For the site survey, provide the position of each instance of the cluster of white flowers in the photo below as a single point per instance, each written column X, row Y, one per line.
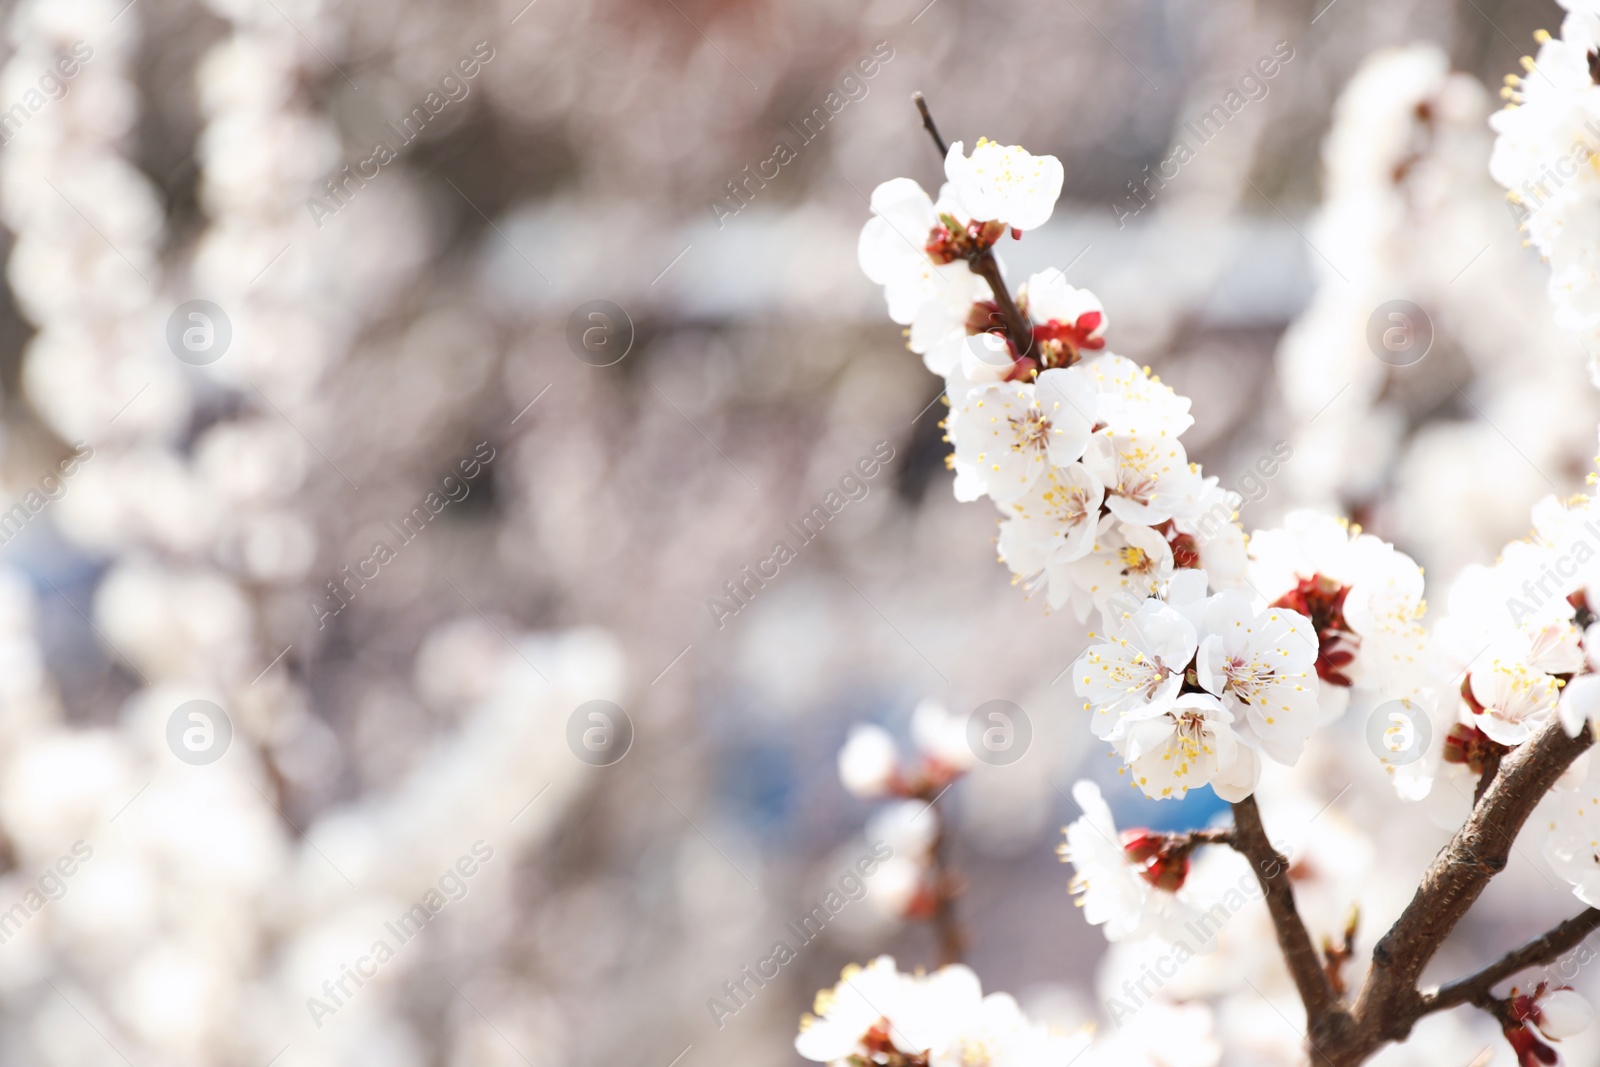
column 877, row 1014
column 1080, row 451
column 1191, row 690
column 1194, row 689
column 1220, row 656
column 1548, row 136
column 1213, row 658
column 1077, row 446
column 1410, row 213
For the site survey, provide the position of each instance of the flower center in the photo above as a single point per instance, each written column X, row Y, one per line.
column 1135, row 560
column 1030, row 432
column 1247, row 677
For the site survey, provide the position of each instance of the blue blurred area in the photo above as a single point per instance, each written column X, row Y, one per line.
column 1131, row 807
column 63, row 581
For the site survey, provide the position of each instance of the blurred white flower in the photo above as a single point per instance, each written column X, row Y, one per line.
column 869, row 762
column 941, row 737
column 943, row 1018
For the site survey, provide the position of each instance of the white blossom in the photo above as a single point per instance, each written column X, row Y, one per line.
column 1009, row 432
column 1109, row 887
column 1052, row 525
column 943, row 1016
column 1004, row 183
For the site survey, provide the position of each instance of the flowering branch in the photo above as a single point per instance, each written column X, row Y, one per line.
column 1475, row 988
column 1197, row 682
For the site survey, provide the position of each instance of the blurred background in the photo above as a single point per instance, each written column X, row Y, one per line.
column 289, row 280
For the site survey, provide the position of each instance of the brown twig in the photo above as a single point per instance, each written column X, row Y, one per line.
column 1193, row 839
column 1017, row 326
column 1326, row 1018
column 928, row 124
column 1390, row 1004
column 1478, row 986
column 1491, row 767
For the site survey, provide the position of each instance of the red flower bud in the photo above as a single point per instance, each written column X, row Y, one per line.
column 1142, row 845
column 1160, row 859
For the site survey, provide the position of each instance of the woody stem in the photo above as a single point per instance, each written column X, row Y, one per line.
column 928, row 124
column 1016, row 323
column 1476, row 987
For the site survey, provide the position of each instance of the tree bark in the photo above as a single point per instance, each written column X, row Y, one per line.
column 1390, row 1002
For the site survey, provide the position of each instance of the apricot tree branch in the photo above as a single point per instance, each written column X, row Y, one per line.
column 1305, row 965
column 1390, row 1003
column 1543, row 949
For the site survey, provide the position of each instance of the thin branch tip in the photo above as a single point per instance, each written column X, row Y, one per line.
column 928, row 123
